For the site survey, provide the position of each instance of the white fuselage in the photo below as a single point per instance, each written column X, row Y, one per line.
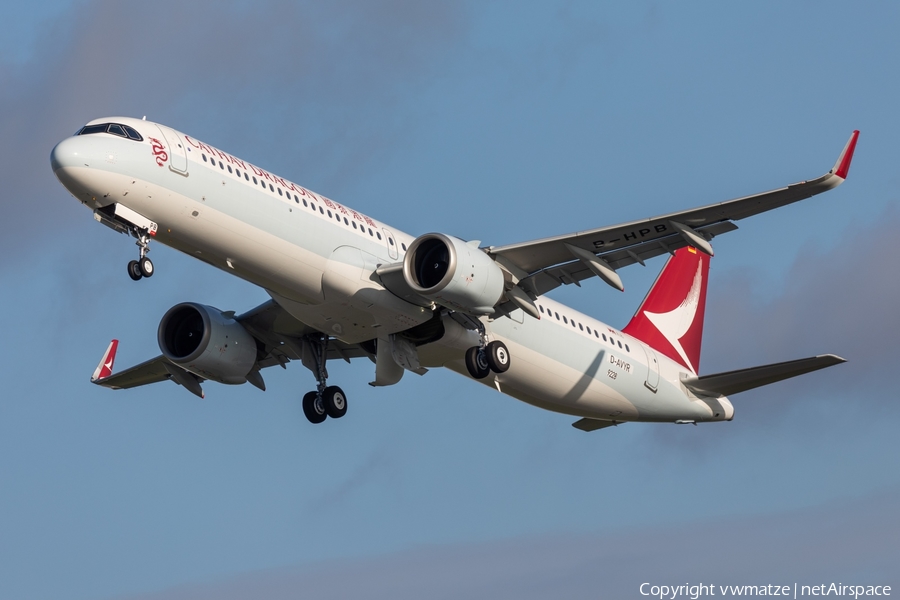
column 317, row 259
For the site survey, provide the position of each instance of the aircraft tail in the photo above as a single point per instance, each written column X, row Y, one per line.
column 670, row 319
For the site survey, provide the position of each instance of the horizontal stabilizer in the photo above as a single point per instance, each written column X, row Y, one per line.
column 732, row 382
column 593, row 424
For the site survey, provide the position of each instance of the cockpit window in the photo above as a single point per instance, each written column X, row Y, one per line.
column 88, row 129
column 133, row 134
column 114, row 128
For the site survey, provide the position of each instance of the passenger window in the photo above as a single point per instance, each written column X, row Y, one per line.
column 279, row 192
column 271, row 188
column 627, row 349
column 565, row 320
column 247, row 177
column 604, row 337
column 254, row 181
column 542, row 308
column 229, row 169
column 370, row 231
column 322, row 211
column 589, row 330
column 620, row 343
column 378, row 234
column 581, row 327
column 595, row 334
column 204, row 157
column 221, row 165
column 557, row 316
column 346, row 222
column 304, row 202
column 391, row 241
column 329, row 214
column 402, row 245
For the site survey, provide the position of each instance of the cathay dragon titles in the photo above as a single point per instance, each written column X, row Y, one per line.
column 344, row 285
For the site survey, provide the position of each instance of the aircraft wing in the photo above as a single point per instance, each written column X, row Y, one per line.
column 279, row 333
column 733, row 382
column 544, row 264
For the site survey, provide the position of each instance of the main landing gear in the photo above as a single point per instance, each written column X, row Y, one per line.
column 142, row 267
column 327, row 400
column 481, row 360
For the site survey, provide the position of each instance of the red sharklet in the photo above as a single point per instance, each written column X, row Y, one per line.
column 670, row 319
column 105, row 368
column 842, row 167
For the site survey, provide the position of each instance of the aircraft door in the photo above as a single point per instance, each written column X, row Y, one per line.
column 652, row 381
column 177, row 154
column 391, row 243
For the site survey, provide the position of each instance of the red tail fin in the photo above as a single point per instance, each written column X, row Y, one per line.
column 670, row 319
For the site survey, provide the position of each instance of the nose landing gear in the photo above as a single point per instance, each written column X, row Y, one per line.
column 142, row 267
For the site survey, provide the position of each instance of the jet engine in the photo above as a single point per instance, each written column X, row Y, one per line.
column 206, row 342
column 453, row 273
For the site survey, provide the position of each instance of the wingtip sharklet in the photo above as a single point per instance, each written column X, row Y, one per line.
column 104, row 369
column 842, row 166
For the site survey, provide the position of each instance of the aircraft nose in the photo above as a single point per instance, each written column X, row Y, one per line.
column 67, row 153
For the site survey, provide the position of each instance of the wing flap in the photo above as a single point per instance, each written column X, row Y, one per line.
column 576, row 271
column 733, row 382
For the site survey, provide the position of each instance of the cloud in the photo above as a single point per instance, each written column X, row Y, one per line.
column 325, row 86
column 840, row 300
column 853, row 542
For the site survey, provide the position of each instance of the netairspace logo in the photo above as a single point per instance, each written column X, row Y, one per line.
column 695, row 591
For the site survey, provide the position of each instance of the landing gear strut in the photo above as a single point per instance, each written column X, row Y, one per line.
column 487, row 357
column 141, row 267
column 327, row 400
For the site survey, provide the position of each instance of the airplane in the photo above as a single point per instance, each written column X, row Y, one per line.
column 343, row 285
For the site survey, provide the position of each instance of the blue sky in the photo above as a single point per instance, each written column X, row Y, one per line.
column 493, row 121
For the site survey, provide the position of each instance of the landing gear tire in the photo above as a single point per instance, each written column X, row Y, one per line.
column 476, row 362
column 497, row 357
column 314, row 408
column 335, row 402
column 146, row 267
column 134, row 270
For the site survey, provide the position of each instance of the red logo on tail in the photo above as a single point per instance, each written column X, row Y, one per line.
column 670, row 320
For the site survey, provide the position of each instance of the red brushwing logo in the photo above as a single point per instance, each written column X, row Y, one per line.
column 104, row 369
column 670, row 320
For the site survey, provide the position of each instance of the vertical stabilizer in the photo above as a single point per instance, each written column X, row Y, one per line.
column 670, row 319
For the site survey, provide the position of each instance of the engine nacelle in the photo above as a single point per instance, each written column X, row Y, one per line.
column 202, row 340
column 453, row 273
